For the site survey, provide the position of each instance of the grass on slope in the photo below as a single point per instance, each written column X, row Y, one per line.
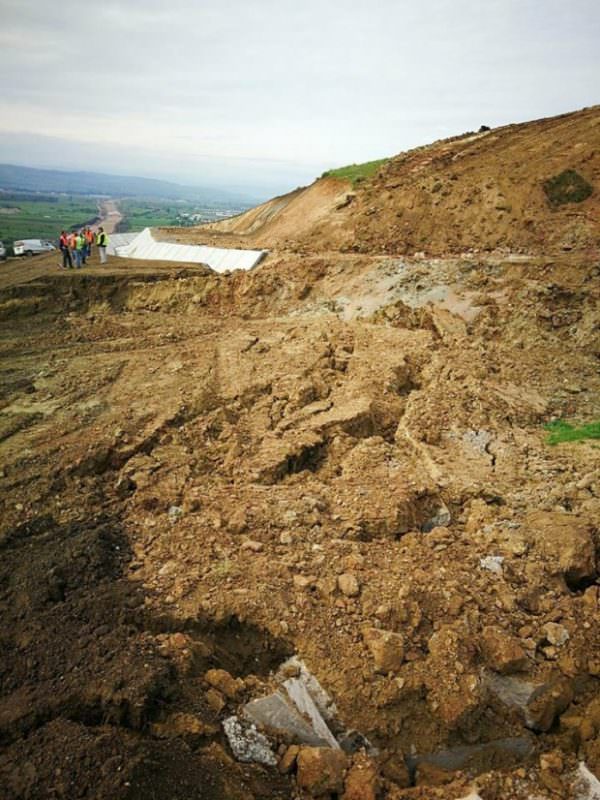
column 355, row 173
column 561, row 431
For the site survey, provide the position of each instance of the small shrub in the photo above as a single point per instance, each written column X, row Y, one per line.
column 568, row 187
column 562, row 431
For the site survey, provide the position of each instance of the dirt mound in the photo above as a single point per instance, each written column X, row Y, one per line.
column 204, row 474
column 86, row 673
column 489, row 191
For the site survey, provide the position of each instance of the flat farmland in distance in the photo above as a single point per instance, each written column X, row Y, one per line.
column 140, row 213
column 43, row 218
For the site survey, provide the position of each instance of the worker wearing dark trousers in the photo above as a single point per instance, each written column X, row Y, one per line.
column 66, row 253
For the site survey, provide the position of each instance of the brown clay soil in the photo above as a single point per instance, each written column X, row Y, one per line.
column 206, row 471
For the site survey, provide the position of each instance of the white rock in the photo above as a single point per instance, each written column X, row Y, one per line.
column 492, row 563
column 175, row 512
column 247, row 744
column 556, row 634
column 586, row 786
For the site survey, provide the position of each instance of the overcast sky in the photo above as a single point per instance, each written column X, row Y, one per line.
column 266, row 94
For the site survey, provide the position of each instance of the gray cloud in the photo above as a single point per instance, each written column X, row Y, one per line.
column 190, row 86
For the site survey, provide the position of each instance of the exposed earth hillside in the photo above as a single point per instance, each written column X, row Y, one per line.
column 481, row 191
column 218, row 490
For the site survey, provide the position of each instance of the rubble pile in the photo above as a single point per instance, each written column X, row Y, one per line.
column 299, row 532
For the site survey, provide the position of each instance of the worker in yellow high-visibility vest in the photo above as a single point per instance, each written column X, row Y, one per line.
column 102, row 241
column 79, row 250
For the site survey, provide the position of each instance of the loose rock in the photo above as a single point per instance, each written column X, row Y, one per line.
column 221, row 679
column 321, row 770
column 387, row 649
column 502, row 652
column 556, row 634
column 362, row 780
column 248, row 744
column 349, row 585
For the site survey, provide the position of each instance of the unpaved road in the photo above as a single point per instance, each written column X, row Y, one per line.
column 110, row 216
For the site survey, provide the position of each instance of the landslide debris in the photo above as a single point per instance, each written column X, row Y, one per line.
column 331, row 472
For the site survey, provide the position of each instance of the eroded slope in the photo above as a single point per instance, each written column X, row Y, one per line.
column 483, row 191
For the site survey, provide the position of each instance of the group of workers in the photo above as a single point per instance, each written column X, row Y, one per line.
column 77, row 246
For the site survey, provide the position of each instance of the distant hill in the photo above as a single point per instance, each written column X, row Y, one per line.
column 17, row 178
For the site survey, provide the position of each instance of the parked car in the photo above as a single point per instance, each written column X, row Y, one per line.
column 3, row 253
column 32, row 247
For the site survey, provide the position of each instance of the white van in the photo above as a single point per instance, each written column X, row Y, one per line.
column 31, row 247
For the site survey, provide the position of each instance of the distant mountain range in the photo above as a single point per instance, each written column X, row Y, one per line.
column 27, row 179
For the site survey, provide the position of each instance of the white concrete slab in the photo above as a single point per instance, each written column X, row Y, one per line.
column 116, row 240
column 220, row 259
column 300, row 696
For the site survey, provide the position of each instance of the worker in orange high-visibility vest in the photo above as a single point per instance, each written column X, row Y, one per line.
column 89, row 241
column 64, row 249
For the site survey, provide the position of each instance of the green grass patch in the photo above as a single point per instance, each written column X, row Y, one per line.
column 43, row 219
column 356, row 173
column 561, row 431
column 567, row 187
